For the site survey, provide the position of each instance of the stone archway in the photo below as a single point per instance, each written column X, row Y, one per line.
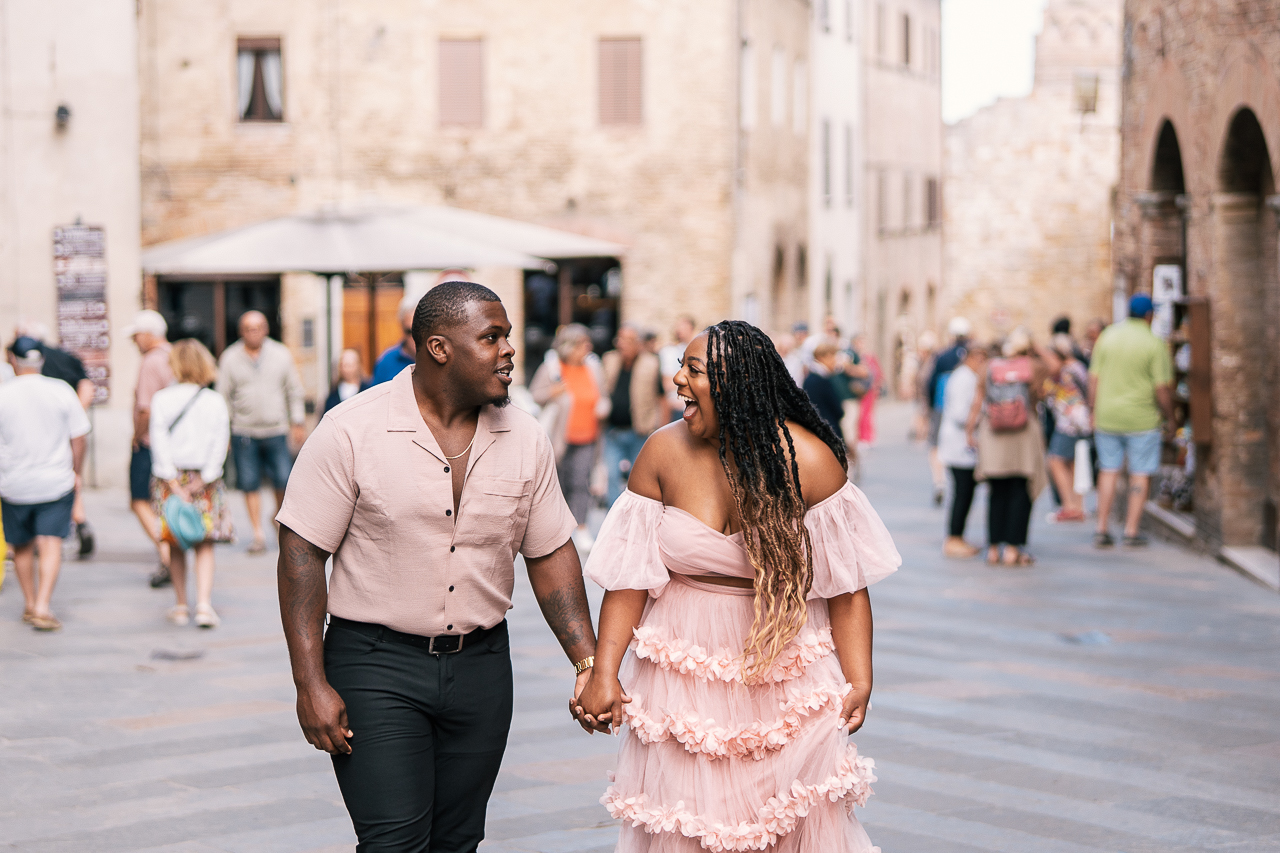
column 1245, row 299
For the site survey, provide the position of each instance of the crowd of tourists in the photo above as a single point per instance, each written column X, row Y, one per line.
column 1068, row 414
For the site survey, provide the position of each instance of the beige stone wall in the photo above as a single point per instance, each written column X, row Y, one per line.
column 82, row 55
column 1029, row 183
column 902, row 118
column 361, row 121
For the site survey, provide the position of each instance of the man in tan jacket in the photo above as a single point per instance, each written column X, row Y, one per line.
column 633, row 383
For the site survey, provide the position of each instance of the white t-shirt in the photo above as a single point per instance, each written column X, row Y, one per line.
column 38, row 418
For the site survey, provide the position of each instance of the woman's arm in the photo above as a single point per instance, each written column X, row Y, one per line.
column 851, row 630
column 600, row 705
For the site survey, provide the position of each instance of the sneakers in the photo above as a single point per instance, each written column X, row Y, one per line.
column 1138, row 540
column 84, row 532
column 160, row 577
column 1103, row 540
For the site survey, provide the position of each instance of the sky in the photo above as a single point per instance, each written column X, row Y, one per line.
column 988, row 51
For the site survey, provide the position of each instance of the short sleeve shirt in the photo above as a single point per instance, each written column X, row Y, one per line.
column 1130, row 363
column 153, row 375
column 372, row 487
column 39, row 416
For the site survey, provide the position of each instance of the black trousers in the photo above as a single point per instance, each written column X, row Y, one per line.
column 429, row 733
column 1009, row 513
column 961, row 499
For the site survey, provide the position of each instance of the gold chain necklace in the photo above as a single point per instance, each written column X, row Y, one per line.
column 465, row 452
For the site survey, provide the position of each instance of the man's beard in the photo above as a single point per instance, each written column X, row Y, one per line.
column 500, row 402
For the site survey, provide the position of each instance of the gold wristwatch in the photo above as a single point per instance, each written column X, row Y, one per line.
column 584, row 665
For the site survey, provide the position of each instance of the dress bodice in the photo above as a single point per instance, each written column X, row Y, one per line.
column 689, row 547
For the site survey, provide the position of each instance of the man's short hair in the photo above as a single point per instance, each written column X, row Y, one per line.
column 445, row 305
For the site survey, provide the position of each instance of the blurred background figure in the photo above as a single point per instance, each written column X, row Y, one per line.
column 148, row 331
column 796, row 358
column 820, row 384
column 190, row 431
column 60, row 364
column 669, row 362
column 956, row 451
column 867, row 404
column 260, row 382
column 1091, row 334
column 1003, row 426
column 637, row 405
column 42, row 441
column 1066, row 392
column 351, row 380
column 918, row 391
column 397, row 357
column 943, row 363
column 569, row 385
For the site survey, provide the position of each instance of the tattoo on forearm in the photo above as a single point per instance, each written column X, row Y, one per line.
column 567, row 612
column 303, row 594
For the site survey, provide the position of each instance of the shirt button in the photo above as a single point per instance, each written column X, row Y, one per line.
column 449, row 628
column 452, row 548
column 446, row 469
column 450, row 589
column 448, row 512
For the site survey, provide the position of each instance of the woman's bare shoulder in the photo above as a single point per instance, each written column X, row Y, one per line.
column 821, row 475
column 663, row 450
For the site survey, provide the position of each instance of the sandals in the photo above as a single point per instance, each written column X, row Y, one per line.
column 45, row 623
column 259, row 546
column 27, row 616
column 1022, row 561
column 179, row 615
column 205, row 617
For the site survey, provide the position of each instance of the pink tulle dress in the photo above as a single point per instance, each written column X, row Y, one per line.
column 706, row 761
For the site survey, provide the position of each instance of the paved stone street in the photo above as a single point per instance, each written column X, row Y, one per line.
column 1098, row 702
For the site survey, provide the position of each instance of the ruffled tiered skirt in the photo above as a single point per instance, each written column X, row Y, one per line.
column 710, row 763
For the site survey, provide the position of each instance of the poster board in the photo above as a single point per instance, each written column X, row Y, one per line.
column 80, row 274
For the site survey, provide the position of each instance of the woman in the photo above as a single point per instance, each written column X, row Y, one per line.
column 190, row 433
column 867, row 405
column 1066, row 392
column 350, row 382
column 1003, row 426
column 735, row 564
column 568, row 386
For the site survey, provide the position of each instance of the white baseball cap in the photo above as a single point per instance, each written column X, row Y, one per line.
column 148, row 321
column 959, row 327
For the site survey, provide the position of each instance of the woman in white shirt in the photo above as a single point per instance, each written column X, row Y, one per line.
column 190, row 433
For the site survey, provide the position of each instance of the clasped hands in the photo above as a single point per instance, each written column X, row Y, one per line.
column 597, row 702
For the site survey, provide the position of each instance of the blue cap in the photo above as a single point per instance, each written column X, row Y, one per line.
column 23, row 346
column 1140, row 305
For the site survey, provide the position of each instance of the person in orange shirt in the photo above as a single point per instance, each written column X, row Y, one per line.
column 568, row 386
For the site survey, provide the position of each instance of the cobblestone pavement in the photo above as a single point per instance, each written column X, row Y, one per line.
column 1097, row 702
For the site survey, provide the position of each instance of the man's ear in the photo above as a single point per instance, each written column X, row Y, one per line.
column 439, row 348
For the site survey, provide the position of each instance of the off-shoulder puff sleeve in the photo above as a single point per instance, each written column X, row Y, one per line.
column 625, row 554
column 852, row 548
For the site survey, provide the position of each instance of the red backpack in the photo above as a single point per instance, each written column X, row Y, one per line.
column 1008, row 396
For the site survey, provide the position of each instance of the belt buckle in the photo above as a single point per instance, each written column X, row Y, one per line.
column 431, row 644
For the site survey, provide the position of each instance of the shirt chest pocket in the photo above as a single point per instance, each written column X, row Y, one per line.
column 497, row 512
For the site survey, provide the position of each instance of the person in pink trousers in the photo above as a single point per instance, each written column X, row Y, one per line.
column 867, row 405
column 734, row 649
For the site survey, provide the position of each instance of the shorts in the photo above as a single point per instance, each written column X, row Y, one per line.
column 1064, row 446
column 140, row 475
column 257, row 456
column 935, row 424
column 1142, row 449
column 24, row 522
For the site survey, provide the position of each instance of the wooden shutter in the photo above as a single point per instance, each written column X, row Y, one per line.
column 1199, row 378
column 462, row 82
column 620, row 81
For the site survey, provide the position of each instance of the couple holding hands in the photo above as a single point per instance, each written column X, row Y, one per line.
column 734, row 646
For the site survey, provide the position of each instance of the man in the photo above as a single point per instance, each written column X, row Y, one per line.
column 669, row 358
column 260, row 382
column 947, row 361
column 423, row 490
column 398, row 356
column 148, row 331
column 67, row 366
column 820, row 387
column 633, row 383
column 42, row 430
column 1130, row 387
column 955, row 451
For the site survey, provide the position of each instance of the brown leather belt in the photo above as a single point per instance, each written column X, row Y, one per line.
column 445, row 644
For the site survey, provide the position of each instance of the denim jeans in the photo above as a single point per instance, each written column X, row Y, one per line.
column 620, row 444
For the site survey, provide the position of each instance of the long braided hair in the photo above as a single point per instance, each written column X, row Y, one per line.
column 754, row 397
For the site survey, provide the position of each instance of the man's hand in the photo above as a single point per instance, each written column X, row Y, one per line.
column 600, row 705
column 854, row 710
column 323, row 716
column 575, row 710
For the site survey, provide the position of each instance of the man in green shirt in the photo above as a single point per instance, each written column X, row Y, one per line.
column 1130, row 391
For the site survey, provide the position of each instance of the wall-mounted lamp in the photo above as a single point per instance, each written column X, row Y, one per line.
column 62, row 117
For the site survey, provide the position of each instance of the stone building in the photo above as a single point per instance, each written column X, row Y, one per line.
column 69, row 197
column 1200, row 131
column 1029, row 184
column 657, row 126
column 902, row 163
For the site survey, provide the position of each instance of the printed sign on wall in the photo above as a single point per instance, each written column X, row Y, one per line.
column 80, row 272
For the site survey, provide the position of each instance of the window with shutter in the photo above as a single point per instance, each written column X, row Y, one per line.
column 621, row 76
column 259, row 80
column 461, row 82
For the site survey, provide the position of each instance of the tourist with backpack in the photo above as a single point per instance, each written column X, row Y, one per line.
column 1004, row 427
